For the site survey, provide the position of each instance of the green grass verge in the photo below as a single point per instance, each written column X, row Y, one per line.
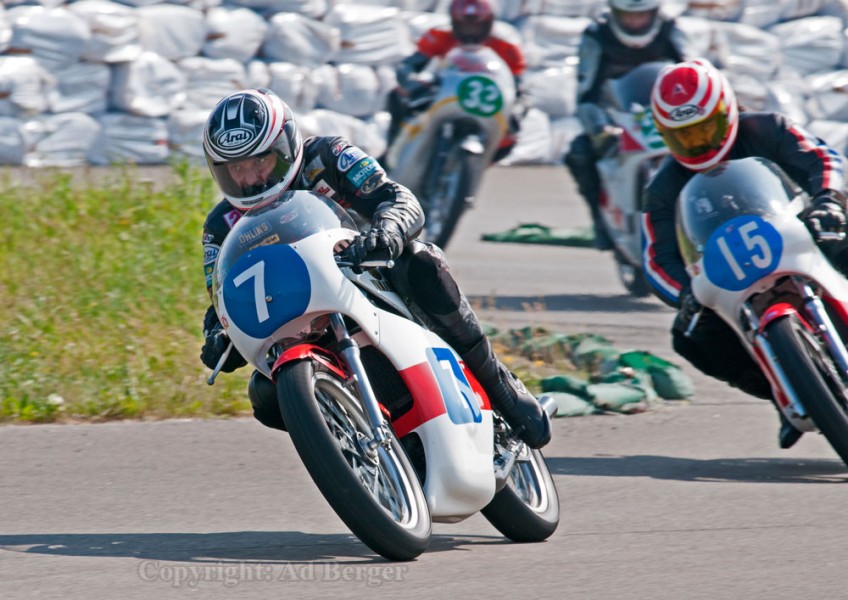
column 102, row 297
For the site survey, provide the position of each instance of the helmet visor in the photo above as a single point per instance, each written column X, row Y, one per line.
column 472, row 32
column 635, row 23
column 252, row 176
column 699, row 139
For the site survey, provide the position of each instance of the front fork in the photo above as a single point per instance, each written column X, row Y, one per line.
column 349, row 351
column 821, row 323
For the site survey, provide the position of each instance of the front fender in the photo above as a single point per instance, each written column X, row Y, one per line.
column 311, row 352
column 776, row 311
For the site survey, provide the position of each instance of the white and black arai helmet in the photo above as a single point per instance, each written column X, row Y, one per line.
column 251, row 127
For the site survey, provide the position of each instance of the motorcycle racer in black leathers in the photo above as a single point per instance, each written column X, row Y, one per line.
column 631, row 33
column 255, row 152
column 701, row 130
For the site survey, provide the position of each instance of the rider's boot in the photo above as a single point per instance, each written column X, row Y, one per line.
column 263, row 397
column 509, row 396
column 753, row 382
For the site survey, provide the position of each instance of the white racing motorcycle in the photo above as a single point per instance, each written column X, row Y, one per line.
column 394, row 430
column 626, row 168
column 753, row 262
column 442, row 151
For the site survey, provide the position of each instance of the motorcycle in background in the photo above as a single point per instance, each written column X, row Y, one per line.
column 393, row 429
column 627, row 166
column 754, row 263
column 443, row 150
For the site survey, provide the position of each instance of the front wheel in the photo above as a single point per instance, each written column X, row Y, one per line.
column 814, row 378
column 374, row 491
column 526, row 509
column 446, row 192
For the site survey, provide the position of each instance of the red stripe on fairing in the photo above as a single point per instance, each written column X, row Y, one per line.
column 827, row 171
column 427, row 401
column 628, row 142
column 653, row 267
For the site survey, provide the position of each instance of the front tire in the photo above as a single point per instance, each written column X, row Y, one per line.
column 445, row 195
column 375, row 492
column 814, row 378
column 526, row 509
column 631, row 277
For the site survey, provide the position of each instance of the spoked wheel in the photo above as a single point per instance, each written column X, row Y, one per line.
column 631, row 277
column 445, row 194
column 815, row 379
column 526, row 509
column 373, row 490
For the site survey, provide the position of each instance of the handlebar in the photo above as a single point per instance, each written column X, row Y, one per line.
column 366, row 264
column 830, row 236
column 220, row 365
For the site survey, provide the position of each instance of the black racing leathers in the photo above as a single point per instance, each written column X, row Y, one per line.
column 808, row 160
column 712, row 346
column 602, row 57
column 334, row 167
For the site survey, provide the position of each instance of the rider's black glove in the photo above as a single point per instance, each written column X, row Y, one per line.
column 687, row 310
column 216, row 344
column 419, row 92
column 827, row 214
column 386, row 241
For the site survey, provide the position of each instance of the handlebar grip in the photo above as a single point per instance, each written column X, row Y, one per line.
column 830, row 236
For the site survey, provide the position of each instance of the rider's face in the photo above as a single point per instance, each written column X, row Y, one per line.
column 697, row 137
column 252, row 171
column 635, row 21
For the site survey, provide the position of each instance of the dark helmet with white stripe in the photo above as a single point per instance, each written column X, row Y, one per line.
column 249, row 127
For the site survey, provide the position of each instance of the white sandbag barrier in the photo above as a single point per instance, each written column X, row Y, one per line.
column 235, row 33
column 56, row 37
column 185, row 134
column 81, row 87
column 62, row 140
column 295, row 84
column 126, row 138
column 207, row 80
column 114, row 31
column 142, row 74
column 24, row 86
column 150, row 86
column 12, row 141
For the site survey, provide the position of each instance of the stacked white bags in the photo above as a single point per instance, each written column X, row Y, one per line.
column 103, row 81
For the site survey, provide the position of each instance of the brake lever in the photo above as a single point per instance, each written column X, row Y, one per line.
column 830, row 236
column 220, row 365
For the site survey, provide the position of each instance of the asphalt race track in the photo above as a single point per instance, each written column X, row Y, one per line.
column 693, row 500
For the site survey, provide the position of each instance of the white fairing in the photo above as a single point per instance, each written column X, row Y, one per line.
column 456, row 431
column 474, row 83
column 800, row 255
column 464, row 482
column 624, row 170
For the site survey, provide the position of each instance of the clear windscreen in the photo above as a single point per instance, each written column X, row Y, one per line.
column 293, row 216
column 749, row 186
